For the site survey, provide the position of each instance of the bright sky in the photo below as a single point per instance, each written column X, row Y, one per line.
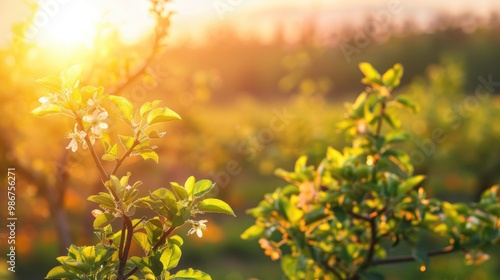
column 70, row 21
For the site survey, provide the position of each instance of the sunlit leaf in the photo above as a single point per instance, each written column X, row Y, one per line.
column 171, row 256
column 124, row 105
column 53, row 83
column 202, row 187
column 253, row 232
column 410, row 183
column 392, row 77
column 60, row 272
column 181, row 192
column 214, row 205
column 142, row 239
column 190, row 274
column 405, row 102
column 150, row 154
column 159, row 115
column 103, row 220
column 127, row 141
column 148, row 106
column 43, row 111
column 371, row 75
column 70, row 76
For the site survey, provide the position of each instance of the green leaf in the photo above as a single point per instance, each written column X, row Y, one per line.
column 60, row 272
column 392, row 120
column 142, row 239
column 125, row 106
column 410, row 183
column 396, row 136
column 148, row 106
column 111, row 153
column 104, row 199
column 252, row 232
column 189, row 185
column 371, row 75
column 70, row 76
column 335, row 156
column 214, row 205
column 52, row 82
column 127, row 141
column 190, row 274
column 88, row 254
column 180, row 191
column 171, row 256
column 143, row 268
column 50, row 109
column 300, row 164
column 405, row 102
column 202, row 187
column 103, row 220
column 150, row 154
column 392, row 77
column 162, row 115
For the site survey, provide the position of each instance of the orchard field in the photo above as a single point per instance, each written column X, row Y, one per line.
column 249, row 105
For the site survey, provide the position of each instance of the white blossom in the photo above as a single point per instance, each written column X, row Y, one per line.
column 76, row 137
column 96, row 122
column 198, row 227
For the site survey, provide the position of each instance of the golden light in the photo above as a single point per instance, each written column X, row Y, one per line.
column 75, row 23
column 70, row 24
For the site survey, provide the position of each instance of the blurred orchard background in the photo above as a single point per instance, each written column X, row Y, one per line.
column 258, row 83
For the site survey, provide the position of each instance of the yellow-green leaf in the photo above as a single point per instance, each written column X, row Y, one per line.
column 252, row 232
column 214, row 205
column 70, row 76
column 150, row 154
column 125, row 106
column 371, row 75
column 53, row 83
column 162, row 115
column 51, row 109
column 202, row 187
column 392, row 77
column 103, row 220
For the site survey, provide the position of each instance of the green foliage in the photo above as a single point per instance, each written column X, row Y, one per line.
column 170, row 208
column 339, row 219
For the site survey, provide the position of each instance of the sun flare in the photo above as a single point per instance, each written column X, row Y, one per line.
column 76, row 23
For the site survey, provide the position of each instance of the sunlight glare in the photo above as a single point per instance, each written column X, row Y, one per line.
column 75, row 24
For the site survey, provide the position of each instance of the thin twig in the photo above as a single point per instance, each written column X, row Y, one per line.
column 402, row 259
column 122, row 159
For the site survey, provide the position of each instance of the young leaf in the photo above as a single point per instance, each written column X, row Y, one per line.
column 103, row 220
column 53, row 83
column 127, row 141
column 190, row 274
column 189, row 185
column 180, row 191
column 253, row 232
column 149, row 154
column 214, row 205
column 202, row 187
column 392, row 77
column 60, row 272
column 170, row 257
column 405, row 102
column 43, row 111
column 162, row 115
column 410, row 183
column 371, row 75
column 70, row 76
column 148, row 106
column 124, row 105
column 104, row 199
